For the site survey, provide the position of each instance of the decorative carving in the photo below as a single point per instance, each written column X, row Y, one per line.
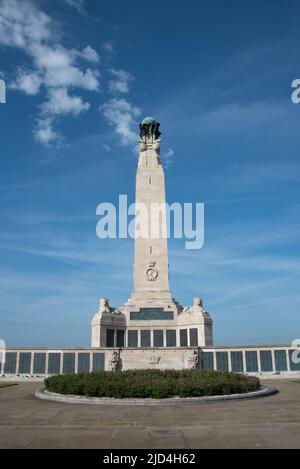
column 152, row 263
column 152, row 274
column 193, row 360
column 114, row 361
column 198, row 306
column 156, row 147
column 198, row 301
column 143, row 146
column 104, row 306
column 154, row 359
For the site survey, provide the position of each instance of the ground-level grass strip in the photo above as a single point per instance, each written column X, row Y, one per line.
column 7, row 385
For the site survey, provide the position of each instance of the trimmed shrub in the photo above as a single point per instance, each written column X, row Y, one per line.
column 155, row 384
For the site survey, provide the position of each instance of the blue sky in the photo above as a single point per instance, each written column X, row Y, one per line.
column 80, row 76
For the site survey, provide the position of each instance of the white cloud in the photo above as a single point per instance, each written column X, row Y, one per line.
column 60, row 102
column 108, row 47
column 44, row 133
column 121, row 82
column 121, row 114
column 167, row 157
column 57, row 66
column 106, row 147
column 77, row 4
column 169, row 153
column 24, row 26
column 28, row 82
column 58, row 70
column 90, row 54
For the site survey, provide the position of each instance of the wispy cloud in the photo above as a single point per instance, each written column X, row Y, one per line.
column 60, row 103
column 235, row 116
column 27, row 81
column 122, row 115
column 167, row 157
column 77, row 4
column 57, row 68
column 106, row 147
column 237, row 281
column 120, row 83
column 44, row 133
column 57, row 71
column 108, row 47
column 251, row 180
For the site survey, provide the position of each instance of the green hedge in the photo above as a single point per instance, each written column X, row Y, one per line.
column 154, row 384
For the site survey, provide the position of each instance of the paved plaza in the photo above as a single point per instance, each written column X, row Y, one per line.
column 271, row 422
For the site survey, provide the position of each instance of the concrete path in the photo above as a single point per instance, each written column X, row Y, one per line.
column 271, row 422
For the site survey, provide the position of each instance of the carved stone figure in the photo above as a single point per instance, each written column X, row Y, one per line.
column 114, row 361
column 104, row 306
column 193, row 360
column 198, row 301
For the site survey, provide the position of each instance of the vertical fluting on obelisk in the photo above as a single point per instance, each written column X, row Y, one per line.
column 151, row 269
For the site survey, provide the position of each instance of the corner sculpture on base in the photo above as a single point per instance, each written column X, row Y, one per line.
column 115, row 361
column 151, row 318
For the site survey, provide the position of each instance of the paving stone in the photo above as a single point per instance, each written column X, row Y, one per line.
column 14, row 438
column 124, row 438
column 53, row 438
column 95, row 439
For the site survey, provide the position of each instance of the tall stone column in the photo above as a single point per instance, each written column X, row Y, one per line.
column 151, row 268
column 151, row 308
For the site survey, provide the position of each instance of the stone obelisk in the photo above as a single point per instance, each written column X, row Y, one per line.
column 151, row 317
column 151, row 268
